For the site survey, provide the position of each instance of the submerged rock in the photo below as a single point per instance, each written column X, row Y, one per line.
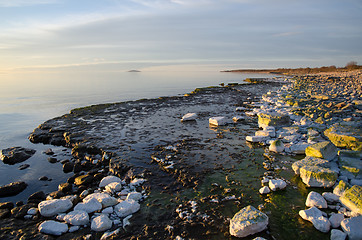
column 12, row 189
column 15, row 155
column 248, row 221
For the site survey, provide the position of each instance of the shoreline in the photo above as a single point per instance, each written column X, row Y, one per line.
column 161, row 150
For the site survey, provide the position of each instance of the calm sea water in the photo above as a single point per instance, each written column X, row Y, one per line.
column 29, row 99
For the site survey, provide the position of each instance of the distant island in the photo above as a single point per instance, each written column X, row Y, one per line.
column 134, row 71
column 291, row 71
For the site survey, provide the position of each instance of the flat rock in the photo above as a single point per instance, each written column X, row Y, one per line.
column 325, row 150
column 76, row 218
column 309, row 161
column 101, row 223
column 15, row 155
column 218, row 121
column 352, row 198
column 273, row 119
column 299, row 148
column 109, row 179
column 53, row 228
column 12, row 189
column 341, row 188
column 127, row 207
column 352, row 226
column 346, row 135
column 189, row 117
column 248, row 221
column 53, row 207
column 256, row 138
column 351, row 166
column 314, row 199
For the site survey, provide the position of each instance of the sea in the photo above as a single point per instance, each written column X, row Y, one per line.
column 28, row 99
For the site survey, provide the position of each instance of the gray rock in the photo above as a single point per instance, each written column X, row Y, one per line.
column 338, row 235
column 53, row 228
column 89, row 206
column 330, row 197
column 352, row 226
column 277, row 184
column 53, row 207
column 276, row 146
column 314, row 199
column 315, row 216
column 101, row 223
column 109, row 179
column 76, row 218
column 336, row 220
column 127, row 207
column 15, row 155
column 189, row 117
column 248, row 221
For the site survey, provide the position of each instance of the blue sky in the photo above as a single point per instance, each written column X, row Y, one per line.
column 156, row 34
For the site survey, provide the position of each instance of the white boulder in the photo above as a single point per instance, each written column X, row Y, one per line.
column 109, row 179
column 218, row 121
column 77, row 217
column 101, row 223
column 248, row 221
column 315, row 216
column 264, row 190
column 53, row 227
column 105, row 199
column 314, row 199
column 189, row 117
column 126, row 208
column 114, row 187
column 53, row 207
column 134, row 196
column 276, row 184
column 276, row 146
column 92, row 205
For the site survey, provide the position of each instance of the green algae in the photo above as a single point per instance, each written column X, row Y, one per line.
column 344, row 135
column 352, row 198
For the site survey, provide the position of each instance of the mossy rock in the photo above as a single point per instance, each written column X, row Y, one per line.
column 314, row 176
column 273, row 119
column 325, row 150
column 352, row 198
column 346, row 135
column 351, row 165
column 341, row 188
column 309, row 161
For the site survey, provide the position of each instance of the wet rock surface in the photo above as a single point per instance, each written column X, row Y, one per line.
column 15, row 155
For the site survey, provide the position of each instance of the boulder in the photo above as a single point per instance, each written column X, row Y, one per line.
column 315, row 216
column 109, row 179
column 53, row 207
column 338, row 235
column 341, row 188
column 314, row 176
column 76, row 218
column 101, row 223
column 322, row 224
column 314, row 199
column 105, row 199
column 277, row 184
column 15, row 155
column 12, row 189
column 325, row 150
column 127, row 207
column 189, row 117
column 134, row 196
column 53, row 228
column 336, row 220
column 92, row 205
column 276, row 146
column 114, row 187
column 218, row 121
column 248, row 221
column 346, row 135
column 83, row 180
column 273, row 119
column 330, row 197
column 352, row 199
column 352, row 226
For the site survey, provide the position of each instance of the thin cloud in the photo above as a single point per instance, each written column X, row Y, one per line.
column 24, row 3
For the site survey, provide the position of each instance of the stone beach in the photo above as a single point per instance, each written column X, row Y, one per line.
column 190, row 167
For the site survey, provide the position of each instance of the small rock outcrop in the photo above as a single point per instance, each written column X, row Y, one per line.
column 15, row 155
column 12, row 189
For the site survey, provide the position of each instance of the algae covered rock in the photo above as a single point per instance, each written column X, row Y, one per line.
column 248, row 221
column 341, row 188
column 346, row 135
column 309, row 161
column 273, row 119
column 325, row 150
column 276, row 146
column 350, row 166
column 314, row 176
column 352, row 198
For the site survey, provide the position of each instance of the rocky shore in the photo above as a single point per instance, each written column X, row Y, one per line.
column 240, row 160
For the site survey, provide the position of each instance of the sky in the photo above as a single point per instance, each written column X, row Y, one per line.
column 160, row 34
